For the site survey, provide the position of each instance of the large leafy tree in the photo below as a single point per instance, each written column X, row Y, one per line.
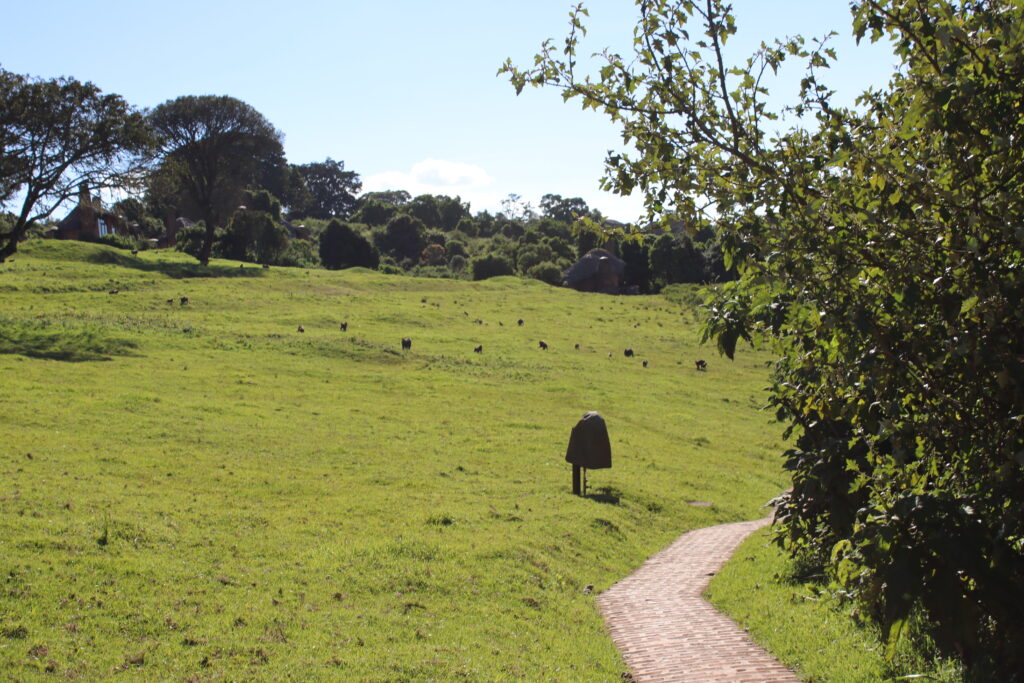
column 881, row 253
column 56, row 137
column 331, row 190
column 404, row 237
column 213, row 148
column 341, row 246
column 567, row 210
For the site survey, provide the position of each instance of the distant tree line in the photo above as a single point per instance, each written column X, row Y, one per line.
column 209, row 175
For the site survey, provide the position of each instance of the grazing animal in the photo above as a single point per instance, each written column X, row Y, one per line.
column 520, row 323
column 183, row 300
column 577, row 347
column 501, row 324
column 628, row 353
column 478, row 349
column 114, row 291
column 701, row 364
column 266, row 265
column 406, row 344
column 478, row 321
column 543, row 345
column 645, row 364
column 170, row 301
column 135, row 252
column 344, row 326
column 301, row 328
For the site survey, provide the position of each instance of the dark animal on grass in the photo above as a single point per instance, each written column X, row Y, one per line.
column 114, row 291
column 478, row 349
column 344, row 326
column 301, row 328
column 577, row 347
column 183, row 300
column 645, row 364
column 135, row 252
column 543, row 345
column 406, row 344
column 520, row 322
column 478, row 321
column 628, row 353
column 701, row 364
column 170, row 301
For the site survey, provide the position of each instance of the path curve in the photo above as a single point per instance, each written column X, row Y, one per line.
column 666, row 631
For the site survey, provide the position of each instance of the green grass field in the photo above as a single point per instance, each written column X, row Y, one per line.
column 203, row 492
column 790, row 611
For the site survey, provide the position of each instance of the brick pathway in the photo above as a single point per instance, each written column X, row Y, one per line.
column 667, row 632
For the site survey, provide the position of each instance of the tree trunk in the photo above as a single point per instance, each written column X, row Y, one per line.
column 8, row 246
column 9, row 242
column 204, row 253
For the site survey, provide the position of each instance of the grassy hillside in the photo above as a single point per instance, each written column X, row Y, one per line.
column 202, row 491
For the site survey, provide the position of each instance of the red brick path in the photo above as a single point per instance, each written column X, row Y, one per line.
column 667, row 632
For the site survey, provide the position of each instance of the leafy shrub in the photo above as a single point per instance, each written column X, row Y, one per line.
column 489, row 266
column 457, row 263
column 403, row 238
column 546, row 272
column 190, row 239
column 456, row 247
column 388, row 266
column 254, row 236
column 433, row 255
column 342, row 246
column 299, row 254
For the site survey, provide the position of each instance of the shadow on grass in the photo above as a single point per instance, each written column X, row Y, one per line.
column 605, row 494
column 59, row 342
column 171, row 268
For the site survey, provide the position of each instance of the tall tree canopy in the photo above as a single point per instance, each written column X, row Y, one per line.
column 331, row 190
column 56, row 137
column 881, row 253
column 212, row 149
column 562, row 209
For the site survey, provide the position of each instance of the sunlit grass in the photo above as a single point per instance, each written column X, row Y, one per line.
column 801, row 622
column 211, row 493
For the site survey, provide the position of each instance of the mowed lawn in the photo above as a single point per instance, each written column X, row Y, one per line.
column 201, row 491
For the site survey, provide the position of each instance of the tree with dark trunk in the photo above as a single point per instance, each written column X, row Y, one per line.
column 57, row 138
column 211, row 149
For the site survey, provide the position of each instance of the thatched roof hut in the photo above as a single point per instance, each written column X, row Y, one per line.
column 598, row 270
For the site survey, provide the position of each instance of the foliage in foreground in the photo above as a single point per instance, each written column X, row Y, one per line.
column 882, row 257
column 787, row 608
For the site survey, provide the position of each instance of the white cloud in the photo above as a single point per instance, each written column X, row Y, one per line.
column 441, row 173
column 430, row 176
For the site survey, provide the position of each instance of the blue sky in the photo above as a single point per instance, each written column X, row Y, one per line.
column 404, row 92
